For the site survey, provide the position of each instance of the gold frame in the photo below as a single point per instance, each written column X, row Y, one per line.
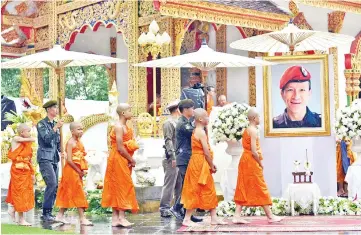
column 326, row 130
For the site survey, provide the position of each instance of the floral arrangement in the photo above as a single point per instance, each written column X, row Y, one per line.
column 281, row 206
column 348, row 121
column 230, row 123
column 8, row 134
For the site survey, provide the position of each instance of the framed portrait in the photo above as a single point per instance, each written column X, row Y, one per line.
column 296, row 96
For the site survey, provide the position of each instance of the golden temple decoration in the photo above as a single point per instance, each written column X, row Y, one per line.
column 300, row 21
column 211, row 12
column 180, row 29
column 335, row 21
column 146, row 8
column 17, row 20
column 252, row 78
column 292, row 6
column 74, row 5
column 145, row 125
column 333, row 51
column 346, row 6
column 42, row 21
column 41, row 34
column 221, row 46
column 146, row 20
column 112, row 71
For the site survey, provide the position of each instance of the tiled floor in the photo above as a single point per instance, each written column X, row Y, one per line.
column 144, row 224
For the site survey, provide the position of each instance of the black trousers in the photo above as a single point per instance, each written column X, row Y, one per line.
column 49, row 172
column 181, row 174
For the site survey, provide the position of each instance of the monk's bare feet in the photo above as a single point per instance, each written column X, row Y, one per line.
column 218, row 221
column 122, row 223
column 238, row 220
column 11, row 212
column 61, row 220
column 275, row 219
column 189, row 223
column 86, row 222
column 24, row 223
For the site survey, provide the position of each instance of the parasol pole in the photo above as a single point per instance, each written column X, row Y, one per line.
column 204, row 78
column 57, row 71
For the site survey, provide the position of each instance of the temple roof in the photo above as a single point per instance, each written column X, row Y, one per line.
column 258, row 5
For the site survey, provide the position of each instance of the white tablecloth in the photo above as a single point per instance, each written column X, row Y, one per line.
column 353, row 178
column 303, row 195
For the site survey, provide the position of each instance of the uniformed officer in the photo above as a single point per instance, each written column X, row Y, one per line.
column 172, row 183
column 183, row 133
column 295, row 85
column 48, row 156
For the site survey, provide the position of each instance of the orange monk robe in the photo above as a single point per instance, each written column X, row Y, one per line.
column 198, row 188
column 340, row 173
column 251, row 189
column 70, row 193
column 119, row 191
column 210, row 104
column 21, row 189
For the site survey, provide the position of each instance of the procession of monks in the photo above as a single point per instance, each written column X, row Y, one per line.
column 119, row 191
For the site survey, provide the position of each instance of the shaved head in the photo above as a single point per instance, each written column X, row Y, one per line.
column 122, row 107
column 200, row 113
column 222, row 97
column 74, row 125
column 22, row 127
column 252, row 112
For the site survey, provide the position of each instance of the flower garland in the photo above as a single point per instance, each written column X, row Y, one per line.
column 348, row 121
column 230, row 123
column 281, row 206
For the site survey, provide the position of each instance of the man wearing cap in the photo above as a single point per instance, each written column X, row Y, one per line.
column 48, row 156
column 295, row 85
column 183, row 134
column 172, row 183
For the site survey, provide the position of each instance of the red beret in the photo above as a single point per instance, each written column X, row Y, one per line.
column 296, row 73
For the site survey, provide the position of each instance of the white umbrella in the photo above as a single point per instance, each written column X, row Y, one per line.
column 205, row 59
column 291, row 38
column 58, row 58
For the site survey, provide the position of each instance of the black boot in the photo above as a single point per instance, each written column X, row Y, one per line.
column 46, row 216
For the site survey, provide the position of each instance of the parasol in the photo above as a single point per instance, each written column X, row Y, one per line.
column 205, row 59
column 291, row 38
column 58, row 58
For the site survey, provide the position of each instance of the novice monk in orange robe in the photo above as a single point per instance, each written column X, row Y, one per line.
column 119, row 191
column 198, row 188
column 21, row 189
column 70, row 193
column 251, row 189
column 210, row 102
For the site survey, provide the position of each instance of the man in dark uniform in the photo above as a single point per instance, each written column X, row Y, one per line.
column 183, row 132
column 48, row 156
column 7, row 105
column 295, row 85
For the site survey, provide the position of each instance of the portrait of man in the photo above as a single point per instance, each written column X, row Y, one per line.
column 296, row 91
column 296, row 95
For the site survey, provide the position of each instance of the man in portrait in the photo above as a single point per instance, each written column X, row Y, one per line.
column 295, row 86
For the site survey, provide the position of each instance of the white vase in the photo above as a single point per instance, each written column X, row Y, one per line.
column 234, row 149
column 356, row 146
column 229, row 178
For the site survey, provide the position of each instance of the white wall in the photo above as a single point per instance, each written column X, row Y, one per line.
column 237, row 78
column 99, row 43
column 279, row 153
column 122, row 70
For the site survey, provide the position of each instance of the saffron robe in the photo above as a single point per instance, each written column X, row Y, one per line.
column 198, row 188
column 21, row 188
column 251, row 189
column 70, row 193
column 119, row 191
column 339, row 166
column 210, row 104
